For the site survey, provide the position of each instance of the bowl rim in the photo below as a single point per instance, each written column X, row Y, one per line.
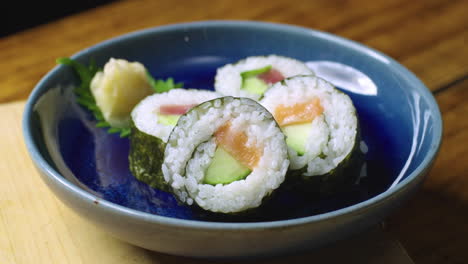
column 85, row 196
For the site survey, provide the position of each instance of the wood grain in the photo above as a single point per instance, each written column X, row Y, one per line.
column 37, row 228
column 406, row 30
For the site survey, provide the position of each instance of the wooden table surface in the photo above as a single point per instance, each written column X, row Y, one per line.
column 428, row 37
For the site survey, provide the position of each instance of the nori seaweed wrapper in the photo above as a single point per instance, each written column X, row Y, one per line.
column 146, row 157
column 340, row 179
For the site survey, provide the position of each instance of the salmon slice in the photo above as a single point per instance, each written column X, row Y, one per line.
column 173, row 109
column 235, row 143
column 298, row 113
column 271, row 76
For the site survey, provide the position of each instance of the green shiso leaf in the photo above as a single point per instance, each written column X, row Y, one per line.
column 125, row 132
column 85, row 98
column 114, row 130
column 255, row 72
column 85, row 73
column 102, row 124
column 161, row 86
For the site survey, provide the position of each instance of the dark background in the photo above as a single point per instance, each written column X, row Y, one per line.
column 18, row 15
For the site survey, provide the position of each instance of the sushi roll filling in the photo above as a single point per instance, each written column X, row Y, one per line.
column 224, row 169
column 236, row 143
column 298, row 113
column 234, row 157
column 296, row 122
column 169, row 114
column 257, row 81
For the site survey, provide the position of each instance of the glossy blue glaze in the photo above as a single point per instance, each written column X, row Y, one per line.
column 88, row 169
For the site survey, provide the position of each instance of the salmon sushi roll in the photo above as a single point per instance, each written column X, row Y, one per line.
column 252, row 76
column 226, row 156
column 321, row 128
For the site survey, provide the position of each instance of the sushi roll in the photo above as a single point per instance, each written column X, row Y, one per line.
column 252, row 76
column 321, row 128
column 226, row 156
column 152, row 121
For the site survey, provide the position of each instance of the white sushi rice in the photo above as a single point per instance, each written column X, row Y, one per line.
column 191, row 148
column 145, row 114
column 333, row 134
column 228, row 80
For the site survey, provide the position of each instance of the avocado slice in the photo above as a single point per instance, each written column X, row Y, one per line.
column 296, row 136
column 168, row 120
column 224, row 169
column 251, row 83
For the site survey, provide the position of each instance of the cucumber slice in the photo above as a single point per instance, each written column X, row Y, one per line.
column 251, row 83
column 254, row 85
column 224, row 169
column 341, row 179
column 168, row 120
column 296, row 136
column 253, row 73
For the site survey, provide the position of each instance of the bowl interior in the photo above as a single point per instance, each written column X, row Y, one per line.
column 399, row 123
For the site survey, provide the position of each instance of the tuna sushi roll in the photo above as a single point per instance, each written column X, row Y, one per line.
column 252, row 76
column 152, row 121
column 226, row 156
column 321, row 128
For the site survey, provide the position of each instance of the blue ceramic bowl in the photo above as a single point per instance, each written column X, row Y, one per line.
column 88, row 169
